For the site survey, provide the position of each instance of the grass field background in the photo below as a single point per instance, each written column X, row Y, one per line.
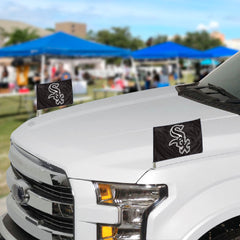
column 10, row 119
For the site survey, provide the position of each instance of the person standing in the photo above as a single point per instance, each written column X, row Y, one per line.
column 58, row 74
column 53, row 71
column 37, row 76
column 156, row 78
column 148, row 80
column 5, row 74
column 165, row 77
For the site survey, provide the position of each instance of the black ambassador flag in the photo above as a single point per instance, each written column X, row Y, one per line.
column 177, row 140
column 54, row 94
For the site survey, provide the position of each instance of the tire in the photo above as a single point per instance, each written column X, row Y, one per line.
column 233, row 235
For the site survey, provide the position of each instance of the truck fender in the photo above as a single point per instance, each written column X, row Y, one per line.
column 197, row 215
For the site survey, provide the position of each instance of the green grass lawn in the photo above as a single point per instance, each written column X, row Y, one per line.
column 10, row 119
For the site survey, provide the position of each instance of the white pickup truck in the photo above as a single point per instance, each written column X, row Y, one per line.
column 162, row 164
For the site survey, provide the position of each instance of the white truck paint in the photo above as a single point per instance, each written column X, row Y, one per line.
column 111, row 141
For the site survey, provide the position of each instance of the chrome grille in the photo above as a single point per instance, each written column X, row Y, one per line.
column 49, row 205
column 51, row 192
column 56, row 223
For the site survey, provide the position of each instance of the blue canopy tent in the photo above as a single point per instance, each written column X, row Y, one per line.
column 64, row 45
column 220, row 51
column 167, row 50
column 209, row 61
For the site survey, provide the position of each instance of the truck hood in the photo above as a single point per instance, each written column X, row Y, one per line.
column 112, row 139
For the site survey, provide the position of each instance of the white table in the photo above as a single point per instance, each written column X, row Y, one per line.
column 15, row 94
column 23, row 98
column 30, row 96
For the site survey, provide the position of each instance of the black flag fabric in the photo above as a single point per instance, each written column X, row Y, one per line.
column 177, row 140
column 54, row 94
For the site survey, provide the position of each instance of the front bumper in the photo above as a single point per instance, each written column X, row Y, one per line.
column 9, row 230
column 17, row 225
column 23, row 221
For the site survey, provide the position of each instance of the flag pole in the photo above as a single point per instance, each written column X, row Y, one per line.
column 43, row 60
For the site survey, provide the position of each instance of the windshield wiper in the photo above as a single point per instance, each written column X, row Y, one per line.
column 228, row 97
column 221, row 91
column 210, row 95
column 231, row 98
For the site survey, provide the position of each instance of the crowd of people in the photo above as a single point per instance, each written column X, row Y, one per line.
column 56, row 74
column 153, row 77
column 160, row 78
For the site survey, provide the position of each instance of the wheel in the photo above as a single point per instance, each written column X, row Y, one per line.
column 228, row 230
column 232, row 235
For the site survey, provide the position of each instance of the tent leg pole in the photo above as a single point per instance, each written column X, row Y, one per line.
column 122, row 67
column 136, row 76
column 213, row 63
column 43, row 59
column 178, row 70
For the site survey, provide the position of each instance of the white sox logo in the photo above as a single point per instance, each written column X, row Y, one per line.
column 179, row 139
column 56, row 94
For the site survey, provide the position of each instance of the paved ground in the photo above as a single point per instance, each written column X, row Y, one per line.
column 3, row 208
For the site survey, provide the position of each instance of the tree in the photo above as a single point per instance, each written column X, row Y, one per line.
column 200, row 40
column 105, row 36
column 121, row 37
column 118, row 37
column 178, row 39
column 149, row 42
column 91, row 35
column 20, row 36
column 136, row 43
column 50, row 29
column 159, row 39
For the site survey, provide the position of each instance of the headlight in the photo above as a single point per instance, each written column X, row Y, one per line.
column 135, row 202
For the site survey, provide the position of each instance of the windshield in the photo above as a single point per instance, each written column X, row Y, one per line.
column 227, row 76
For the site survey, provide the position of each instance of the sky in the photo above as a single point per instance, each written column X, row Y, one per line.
column 145, row 18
